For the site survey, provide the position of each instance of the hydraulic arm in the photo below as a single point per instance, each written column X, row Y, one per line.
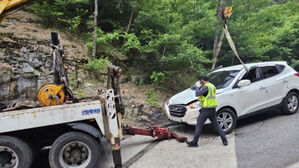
column 161, row 133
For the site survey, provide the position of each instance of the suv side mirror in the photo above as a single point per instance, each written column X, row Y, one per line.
column 244, row 82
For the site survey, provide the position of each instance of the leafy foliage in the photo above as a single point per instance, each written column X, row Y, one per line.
column 158, row 77
column 69, row 14
column 98, row 66
column 152, row 97
column 171, row 42
column 267, row 34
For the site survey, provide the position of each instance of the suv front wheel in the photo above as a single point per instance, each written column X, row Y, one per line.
column 226, row 119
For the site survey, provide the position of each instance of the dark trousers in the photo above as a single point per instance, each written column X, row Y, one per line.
column 203, row 116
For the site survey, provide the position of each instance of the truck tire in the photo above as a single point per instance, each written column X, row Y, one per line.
column 76, row 150
column 226, row 119
column 291, row 103
column 15, row 153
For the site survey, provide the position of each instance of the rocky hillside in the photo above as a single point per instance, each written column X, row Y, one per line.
column 25, row 56
column 26, row 64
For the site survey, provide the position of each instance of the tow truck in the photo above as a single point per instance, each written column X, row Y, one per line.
column 74, row 131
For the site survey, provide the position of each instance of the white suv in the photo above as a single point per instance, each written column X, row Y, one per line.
column 240, row 94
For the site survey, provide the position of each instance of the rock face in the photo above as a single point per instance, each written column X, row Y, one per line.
column 22, row 74
column 26, row 59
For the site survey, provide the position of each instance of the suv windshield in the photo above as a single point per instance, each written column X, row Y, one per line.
column 221, row 79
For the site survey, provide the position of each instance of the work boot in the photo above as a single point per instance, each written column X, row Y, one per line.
column 192, row 144
column 224, row 141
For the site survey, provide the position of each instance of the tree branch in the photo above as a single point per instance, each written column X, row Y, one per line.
column 94, row 49
column 216, row 34
column 130, row 21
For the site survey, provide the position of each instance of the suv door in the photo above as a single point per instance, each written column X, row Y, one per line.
column 249, row 98
column 271, row 85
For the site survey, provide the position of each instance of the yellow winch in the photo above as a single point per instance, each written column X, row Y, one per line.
column 51, row 94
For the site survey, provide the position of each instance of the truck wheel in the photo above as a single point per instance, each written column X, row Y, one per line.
column 291, row 103
column 74, row 150
column 14, row 153
column 227, row 120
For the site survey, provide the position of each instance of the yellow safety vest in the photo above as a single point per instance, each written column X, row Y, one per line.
column 208, row 101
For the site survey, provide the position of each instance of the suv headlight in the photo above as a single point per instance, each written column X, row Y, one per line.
column 168, row 102
column 194, row 105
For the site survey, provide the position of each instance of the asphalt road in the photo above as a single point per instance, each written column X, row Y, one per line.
column 267, row 140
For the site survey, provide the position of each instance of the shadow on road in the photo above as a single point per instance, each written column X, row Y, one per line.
column 189, row 129
column 259, row 117
column 253, row 124
column 257, row 120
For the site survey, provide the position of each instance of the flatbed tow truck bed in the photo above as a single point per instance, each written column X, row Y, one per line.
column 52, row 115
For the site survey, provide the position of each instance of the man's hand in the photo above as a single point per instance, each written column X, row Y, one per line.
column 197, row 84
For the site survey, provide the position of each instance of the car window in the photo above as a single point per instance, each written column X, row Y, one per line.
column 268, row 71
column 251, row 75
column 280, row 67
column 222, row 79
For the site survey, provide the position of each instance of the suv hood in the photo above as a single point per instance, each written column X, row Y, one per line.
column 187, row 96
column 183, row 97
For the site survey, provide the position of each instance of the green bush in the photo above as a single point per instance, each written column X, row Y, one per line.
column 158, row 77
column 72, row 80
column 295, row 65
column 152, row 97
column 98, row 66
column 72, row 15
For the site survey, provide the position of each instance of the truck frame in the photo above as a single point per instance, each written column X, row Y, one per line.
column 75, row 132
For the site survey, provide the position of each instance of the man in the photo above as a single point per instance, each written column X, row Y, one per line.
column 207, row 99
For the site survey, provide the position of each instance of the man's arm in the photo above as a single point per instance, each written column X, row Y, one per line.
column 203, row 90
